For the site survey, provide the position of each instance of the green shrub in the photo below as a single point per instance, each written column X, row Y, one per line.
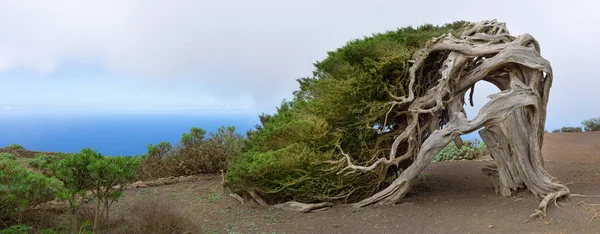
column 286, row 158
column 89, row 170
column 42, row 161
column 555, row 130
column 8, row 156
column 570, row 129
column 296, row 153
column 160, row 151
column 469, row 151
column 109, row 175
column 15, row 147
column 195, row 154
column 75, row 171
column 592, row 124
column 21, row 189
column 16, row 229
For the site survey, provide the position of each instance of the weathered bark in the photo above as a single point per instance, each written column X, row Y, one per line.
column 512, row 121
column 303, row 207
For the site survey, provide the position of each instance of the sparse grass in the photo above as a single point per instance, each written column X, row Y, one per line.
column 593, row 170
column 8, row 156
column 231, row 228
column 212, row 197
column 155, row 215
column 267, row 218
column 15, row 147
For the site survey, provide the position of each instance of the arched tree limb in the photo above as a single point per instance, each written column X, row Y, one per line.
column 513, row 120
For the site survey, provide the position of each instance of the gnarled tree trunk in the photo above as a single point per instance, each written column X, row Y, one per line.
column 512, row 121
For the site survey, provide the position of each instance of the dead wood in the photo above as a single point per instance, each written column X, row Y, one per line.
column 511, row 123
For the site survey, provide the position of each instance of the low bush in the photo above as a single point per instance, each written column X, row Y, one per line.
column 555, row 130
column 22, row 189
column 289, row 157
column 469, row 151
column 15, row 146
column 16, row 229
column 74, row 170
column 8, row 156
column 592, row 124
column 109, row 175
column 571, row 129
column 42, row 161
column 89, row 170
column 155, row 215
column 195, row 154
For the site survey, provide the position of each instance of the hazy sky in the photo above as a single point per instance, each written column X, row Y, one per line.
column 107, row 55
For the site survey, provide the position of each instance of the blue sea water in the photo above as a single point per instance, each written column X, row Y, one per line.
column 114, row 135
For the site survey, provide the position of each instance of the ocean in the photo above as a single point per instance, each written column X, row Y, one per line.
column 113, row 135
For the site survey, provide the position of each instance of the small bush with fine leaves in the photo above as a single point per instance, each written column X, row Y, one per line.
column 89, row 170
column 15, row 147
column 571, row 129
column 75, row 171
column 469, row 151
column 8, row 156
column 21, row 189
column 42, row 160
column 195, row 154
column 591, row 125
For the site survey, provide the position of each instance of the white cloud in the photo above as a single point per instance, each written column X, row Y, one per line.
column 238, row 50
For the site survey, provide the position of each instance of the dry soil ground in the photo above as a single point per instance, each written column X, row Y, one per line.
column 451, row 197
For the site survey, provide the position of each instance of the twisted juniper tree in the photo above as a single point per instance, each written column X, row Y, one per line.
column 379, row 109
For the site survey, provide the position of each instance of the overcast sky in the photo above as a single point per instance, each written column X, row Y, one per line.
column 232, row 55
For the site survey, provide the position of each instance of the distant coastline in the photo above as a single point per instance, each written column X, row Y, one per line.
column 111, row 134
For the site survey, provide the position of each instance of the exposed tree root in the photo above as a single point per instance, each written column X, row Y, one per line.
column 257, row 198
column 290, row 205
column 582, row 195
column 238, row 198
column 593, row 208
column 303, row 207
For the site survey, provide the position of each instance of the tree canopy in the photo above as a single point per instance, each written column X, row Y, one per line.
column 291, row 154
column 376, row 111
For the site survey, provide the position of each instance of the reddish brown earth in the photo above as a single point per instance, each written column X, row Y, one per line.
column 23, row 153
column 451, row 197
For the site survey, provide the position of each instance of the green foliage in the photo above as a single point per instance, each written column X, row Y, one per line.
column 160, row 150
column 293, row 155
column 195, row 154
column 21, row 189
column 109, row 175
column 89, row 170
column 195, row 136
column 571, row 129
column 592, row 124
column 469, row 151
column 10, row 156
column 16, row 229
column 75, row 171
column 15, row 147
column 42, row 161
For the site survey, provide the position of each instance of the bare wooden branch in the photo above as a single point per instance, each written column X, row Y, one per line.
column 512, row 120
